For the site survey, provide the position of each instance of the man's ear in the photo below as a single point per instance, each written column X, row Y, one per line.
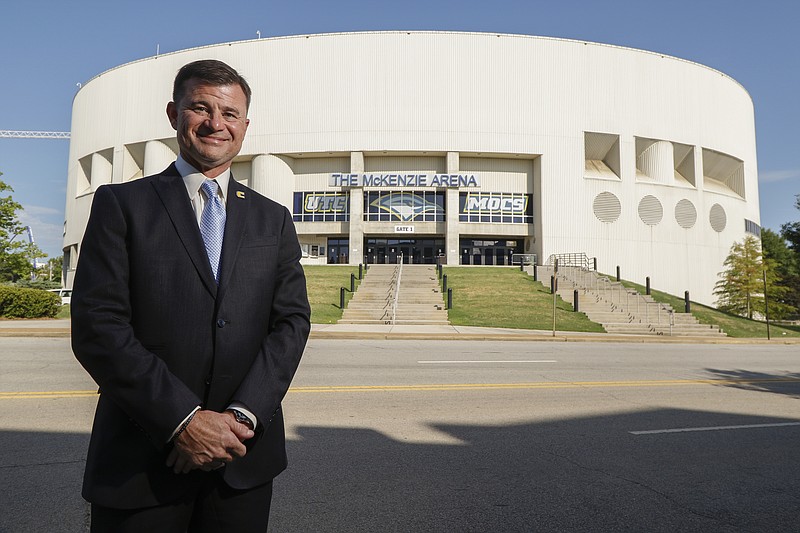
column 172, row 114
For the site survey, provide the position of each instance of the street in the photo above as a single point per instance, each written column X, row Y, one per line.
column 469, row 436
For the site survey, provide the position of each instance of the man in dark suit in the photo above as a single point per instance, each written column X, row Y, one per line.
column 190, row 311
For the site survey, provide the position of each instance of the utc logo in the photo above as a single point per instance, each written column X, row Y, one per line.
column 406, row 206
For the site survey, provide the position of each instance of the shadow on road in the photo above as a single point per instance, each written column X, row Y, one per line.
column 587, row 474
column 786, row 383
column 40, row 480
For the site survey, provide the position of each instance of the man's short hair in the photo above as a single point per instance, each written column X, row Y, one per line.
column 211, row 72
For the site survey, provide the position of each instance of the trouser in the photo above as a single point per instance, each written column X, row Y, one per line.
column 213, row 508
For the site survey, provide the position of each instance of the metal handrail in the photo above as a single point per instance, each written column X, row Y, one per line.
column 616, row 294
column 397, row 287
column 575, row 259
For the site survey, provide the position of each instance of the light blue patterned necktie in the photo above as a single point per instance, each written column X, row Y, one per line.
column 212, row 225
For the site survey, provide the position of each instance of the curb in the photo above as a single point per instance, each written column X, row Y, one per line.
column 519, row 337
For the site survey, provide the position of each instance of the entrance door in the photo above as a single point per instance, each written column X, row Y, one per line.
column 476, row 256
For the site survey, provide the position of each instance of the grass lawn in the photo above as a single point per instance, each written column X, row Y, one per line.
column 733, row 325
column 507, row 298
column 323, row 282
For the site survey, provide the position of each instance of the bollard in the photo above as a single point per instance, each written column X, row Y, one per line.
column 449, row 298
column 444, row 283
column 687, row 305
column 521, row 267
column 617, row 272
column 439, row 270
column 360, row 271
column 352, row 282
column 594, row 262
column 535, row 278
column 575, row 300
column 647, row 285
column 341, row 298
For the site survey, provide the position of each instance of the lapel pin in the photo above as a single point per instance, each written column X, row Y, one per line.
column 239, row 194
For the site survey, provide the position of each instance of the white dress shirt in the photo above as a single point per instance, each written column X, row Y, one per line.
column 193, row 179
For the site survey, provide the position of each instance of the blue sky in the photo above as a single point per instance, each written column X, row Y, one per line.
column 49, row 46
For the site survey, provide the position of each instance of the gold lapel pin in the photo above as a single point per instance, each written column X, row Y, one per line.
column 239, row 194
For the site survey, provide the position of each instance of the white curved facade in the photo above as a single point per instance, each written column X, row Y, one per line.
column 490, row 145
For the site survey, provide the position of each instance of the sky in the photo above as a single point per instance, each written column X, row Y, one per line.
column 51, row 46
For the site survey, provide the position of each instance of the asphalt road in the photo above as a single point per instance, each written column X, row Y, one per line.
column 469, row 436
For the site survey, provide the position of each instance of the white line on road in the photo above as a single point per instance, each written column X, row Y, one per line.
column 466, row 362
column 713, row 428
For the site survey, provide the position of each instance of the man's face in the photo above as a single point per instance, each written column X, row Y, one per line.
column 211, row 122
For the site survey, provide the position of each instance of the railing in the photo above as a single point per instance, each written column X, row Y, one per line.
column 399, row 273
column 618, row 296
column 580, row 260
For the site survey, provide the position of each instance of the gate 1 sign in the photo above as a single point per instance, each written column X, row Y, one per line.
column 404, row 229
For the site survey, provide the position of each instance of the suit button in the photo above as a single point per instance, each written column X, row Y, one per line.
column 220, row 323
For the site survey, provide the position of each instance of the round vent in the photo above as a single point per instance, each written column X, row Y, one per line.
column 650, row 210
column 607, row 207
column 685, row 214
column 717, row 218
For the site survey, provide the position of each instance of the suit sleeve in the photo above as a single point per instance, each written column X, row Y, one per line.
column 272, row 371
column 103, row 340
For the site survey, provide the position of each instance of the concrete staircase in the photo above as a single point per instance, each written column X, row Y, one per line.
column 417, row 292
column 619, row 309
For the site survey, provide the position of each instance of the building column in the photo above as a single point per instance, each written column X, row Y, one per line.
column 657, row 162
column 101, row 170
column 273, row 177
column 157, row 157
column 356, row 212
column 452, row 238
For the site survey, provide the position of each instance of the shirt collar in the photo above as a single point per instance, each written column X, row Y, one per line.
column 193, row 178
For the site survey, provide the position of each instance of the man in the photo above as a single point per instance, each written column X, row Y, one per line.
column 190, row 311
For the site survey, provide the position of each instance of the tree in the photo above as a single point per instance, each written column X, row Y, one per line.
column 741, row 289
column 15, row 252
column 55, row 266
column 790, row 231
column 787, row 266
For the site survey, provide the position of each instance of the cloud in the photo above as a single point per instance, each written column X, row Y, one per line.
column 778, row 175
column 39, row 210
column 48, row 235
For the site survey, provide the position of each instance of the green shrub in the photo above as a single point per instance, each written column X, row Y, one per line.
column 28, row 303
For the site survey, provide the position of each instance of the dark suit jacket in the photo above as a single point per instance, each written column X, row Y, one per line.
column 159, row 336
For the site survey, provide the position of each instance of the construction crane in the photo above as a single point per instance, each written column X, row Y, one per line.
column 13, row 134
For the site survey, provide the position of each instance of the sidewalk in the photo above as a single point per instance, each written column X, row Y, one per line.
column 61, row 328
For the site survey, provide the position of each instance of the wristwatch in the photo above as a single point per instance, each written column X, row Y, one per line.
column 242, row 418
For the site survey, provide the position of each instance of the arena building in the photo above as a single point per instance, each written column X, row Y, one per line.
column 465, row 148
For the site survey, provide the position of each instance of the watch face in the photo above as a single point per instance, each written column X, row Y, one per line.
column 242, row 418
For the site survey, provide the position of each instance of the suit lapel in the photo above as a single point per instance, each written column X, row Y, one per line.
column 237, row 204
column 170, row 188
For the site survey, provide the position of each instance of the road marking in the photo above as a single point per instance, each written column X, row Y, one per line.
column 466, row 362
column 448, row 387
column 713, row 428
column 47, row 394
column 537, row 385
